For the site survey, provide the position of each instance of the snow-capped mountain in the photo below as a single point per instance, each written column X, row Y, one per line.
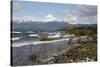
column 39, row 26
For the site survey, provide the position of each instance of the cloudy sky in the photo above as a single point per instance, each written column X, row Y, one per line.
column 39, row 11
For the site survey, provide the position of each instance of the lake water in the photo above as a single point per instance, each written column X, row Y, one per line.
column 23, row 38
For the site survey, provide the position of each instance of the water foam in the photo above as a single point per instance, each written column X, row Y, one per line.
column 16, row 38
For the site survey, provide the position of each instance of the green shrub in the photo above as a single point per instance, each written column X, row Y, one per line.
column 45, row 38
column 82, row 31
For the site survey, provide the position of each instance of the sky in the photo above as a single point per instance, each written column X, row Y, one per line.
column 42, row 11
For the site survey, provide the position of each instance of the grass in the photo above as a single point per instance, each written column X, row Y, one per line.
column 78, row 31
column 46, row 39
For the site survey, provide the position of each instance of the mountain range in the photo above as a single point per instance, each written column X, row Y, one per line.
column 38, row 26
column 45, row 26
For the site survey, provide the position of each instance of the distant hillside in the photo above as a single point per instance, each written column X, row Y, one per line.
column 87, row 25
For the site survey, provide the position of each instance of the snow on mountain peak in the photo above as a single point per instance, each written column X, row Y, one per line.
column 48, row 18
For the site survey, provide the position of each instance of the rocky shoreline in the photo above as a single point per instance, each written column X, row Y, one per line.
column 47, row 53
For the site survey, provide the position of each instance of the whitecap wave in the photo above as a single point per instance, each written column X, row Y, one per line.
column 16, row 32
column 30, row 32
column 16, row 38
column 54, row 36
column 33, row 35
column 52, row 41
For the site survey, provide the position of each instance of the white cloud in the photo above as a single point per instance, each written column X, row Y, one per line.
column 70, row 18
column 26, row 18
column 49, row 17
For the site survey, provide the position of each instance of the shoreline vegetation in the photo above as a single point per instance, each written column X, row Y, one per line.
column 83, row 51
column 86, row 51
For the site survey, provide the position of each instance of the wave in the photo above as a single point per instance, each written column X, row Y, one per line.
column 43, row 42
column 39, row 42
column 30, row 32
column 16, row 38
column 54, row 36
column 33, row 35
column 16, row 32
